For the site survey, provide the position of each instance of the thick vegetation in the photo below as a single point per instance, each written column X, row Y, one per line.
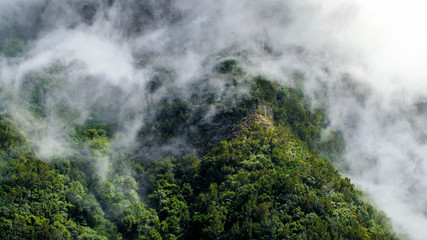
column 251, row 170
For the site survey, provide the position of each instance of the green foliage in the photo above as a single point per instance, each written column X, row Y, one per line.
column 332, row 146
column 12, row 47
column 32, row 194
column 36, row 87
column 263, row 184
column 288, row 106
column 95, row 138
column 228, row 66
column 265, row 181
column 183, row 112
column 66, row 113
column 138, row 222
column 172, row 115
column 292, row 109
column 264, row 91
column 253, row 171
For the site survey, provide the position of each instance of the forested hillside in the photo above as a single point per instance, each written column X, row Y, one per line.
column 248, row 163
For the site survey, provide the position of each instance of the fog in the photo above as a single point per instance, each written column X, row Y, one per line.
column 363, row 60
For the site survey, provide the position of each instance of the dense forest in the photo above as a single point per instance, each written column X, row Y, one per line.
column 255, row 168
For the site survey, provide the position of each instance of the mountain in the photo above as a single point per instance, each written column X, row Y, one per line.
column 253, row 170
column 212, row 119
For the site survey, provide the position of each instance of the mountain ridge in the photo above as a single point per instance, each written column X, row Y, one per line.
column 262, row 178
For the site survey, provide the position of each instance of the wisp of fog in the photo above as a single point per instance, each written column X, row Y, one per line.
column 363, row 60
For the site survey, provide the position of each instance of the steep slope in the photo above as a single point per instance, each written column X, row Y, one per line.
column 34, row 199
column 263, row 184
column 251, row 171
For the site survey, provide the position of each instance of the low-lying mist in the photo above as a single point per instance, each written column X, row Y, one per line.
column 362, row 60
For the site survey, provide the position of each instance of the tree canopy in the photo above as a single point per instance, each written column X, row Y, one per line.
column 256, row 170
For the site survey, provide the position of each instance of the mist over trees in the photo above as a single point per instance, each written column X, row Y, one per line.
column 193, row 119
column 250, row 171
